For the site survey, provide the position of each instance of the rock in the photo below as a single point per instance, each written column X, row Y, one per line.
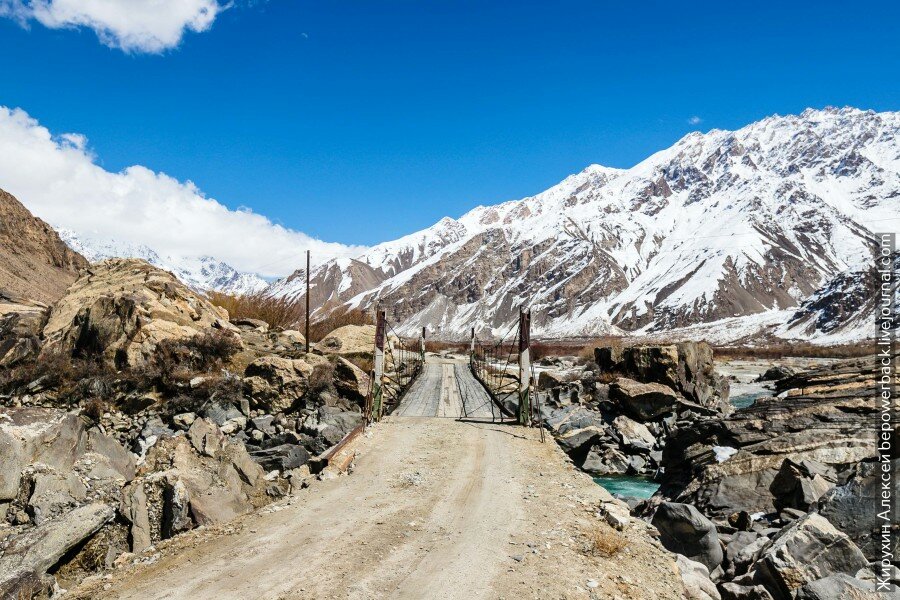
column 220, row 413
column 686, row 368
column 550, row 379
column 685, row 531
column 849, row 508
column 184, row 420
column 828, row 421
column 633, row 434
column 605, row 461
column 121, row 309
column 777, row 372
column 349, row 341
column 643, row 401
column 334, row 423
column 27, row 556
column 256, row 324
column 281, row 458
column 206, row 438
column 695, row 579
column 264, row 424
column 837, row 587
column 20, row 331
column 52, row 437
column 134, row 509
column 350, row 381
column 276, row 384
column 51, row 493
column 733, row 591
column 799, row 485
column 808, row 549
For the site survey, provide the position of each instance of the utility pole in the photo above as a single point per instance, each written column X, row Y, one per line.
column 524, row 367
column 378, row 379
column 307, row 301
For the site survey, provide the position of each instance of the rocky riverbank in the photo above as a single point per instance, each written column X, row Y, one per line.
column 132, row 410
column 774, row 500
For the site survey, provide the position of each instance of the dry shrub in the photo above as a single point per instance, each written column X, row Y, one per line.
column 804, row 350
column 436, row 346
column 177, row 360
column 365, row 363
column 277, row 312
column 604, row 541
column 321, row 378
column 55, row 370
column 94, row 409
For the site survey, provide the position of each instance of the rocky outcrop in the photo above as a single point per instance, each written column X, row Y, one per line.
column 643, row 401
column 276, row 384
column 20, row 332
column 121, row 309
column 35, row 264
column 686, row 368
column 823, row 415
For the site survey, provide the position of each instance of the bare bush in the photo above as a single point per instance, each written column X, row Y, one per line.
column 277, row 312
column 604, row 541
column 321, row 378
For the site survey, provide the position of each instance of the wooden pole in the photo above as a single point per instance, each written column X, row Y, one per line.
column 378, row 382
column 524, row 367
column 422, row 345
column 472, row 347
column 307, row 301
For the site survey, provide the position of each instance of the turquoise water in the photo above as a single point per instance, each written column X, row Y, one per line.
column 745, row 400
column 628, row 486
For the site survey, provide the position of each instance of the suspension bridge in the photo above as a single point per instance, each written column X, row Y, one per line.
column 495, row 382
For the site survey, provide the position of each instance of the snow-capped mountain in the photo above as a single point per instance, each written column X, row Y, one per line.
column 202, row 273
column 726, row 233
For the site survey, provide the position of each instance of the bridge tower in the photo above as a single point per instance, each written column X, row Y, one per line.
column 524, row 411
column 378, row 379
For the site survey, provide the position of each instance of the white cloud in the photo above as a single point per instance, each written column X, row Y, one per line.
column 695, row 120
column 132, row 25
column 57, row 178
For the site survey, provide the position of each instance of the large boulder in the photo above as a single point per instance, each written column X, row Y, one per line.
column 276, row 384
column 643, row 401
column 686, row 367
column 25, row 558
column 603, row 461
column 121, row 309
column 350, row 381
column 838, row 587
column 20, row 331
column 684, row 530
column 799, row 485
column 849, row 508
column 56, row 439
column 695, row 580
column 633, row 434
column 807, row 550
column 352, row 341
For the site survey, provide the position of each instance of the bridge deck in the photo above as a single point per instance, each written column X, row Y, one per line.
column 446, row 388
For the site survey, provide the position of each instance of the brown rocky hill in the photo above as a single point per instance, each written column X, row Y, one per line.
column 34, row 263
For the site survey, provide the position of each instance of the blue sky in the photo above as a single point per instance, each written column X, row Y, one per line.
column 360, row 121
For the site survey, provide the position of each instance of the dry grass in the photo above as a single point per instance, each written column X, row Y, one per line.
column 286, row 314
column 604, row 541
column 805, row 350
column 277, row 312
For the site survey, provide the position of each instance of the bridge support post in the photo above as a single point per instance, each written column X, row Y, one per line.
column 472, row 348
column 524, row 412
column 378, row 379
column 422, row 346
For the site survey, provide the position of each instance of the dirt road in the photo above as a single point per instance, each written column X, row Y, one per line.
column 434, row 508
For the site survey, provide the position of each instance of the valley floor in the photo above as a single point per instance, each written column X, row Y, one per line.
column 434, row 508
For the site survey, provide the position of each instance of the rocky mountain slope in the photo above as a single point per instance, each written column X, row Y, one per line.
column 201, row 273
column 34, row 263
column 728, row 231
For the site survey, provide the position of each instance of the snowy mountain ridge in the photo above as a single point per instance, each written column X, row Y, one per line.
column 202, row 273
column 736, row 228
